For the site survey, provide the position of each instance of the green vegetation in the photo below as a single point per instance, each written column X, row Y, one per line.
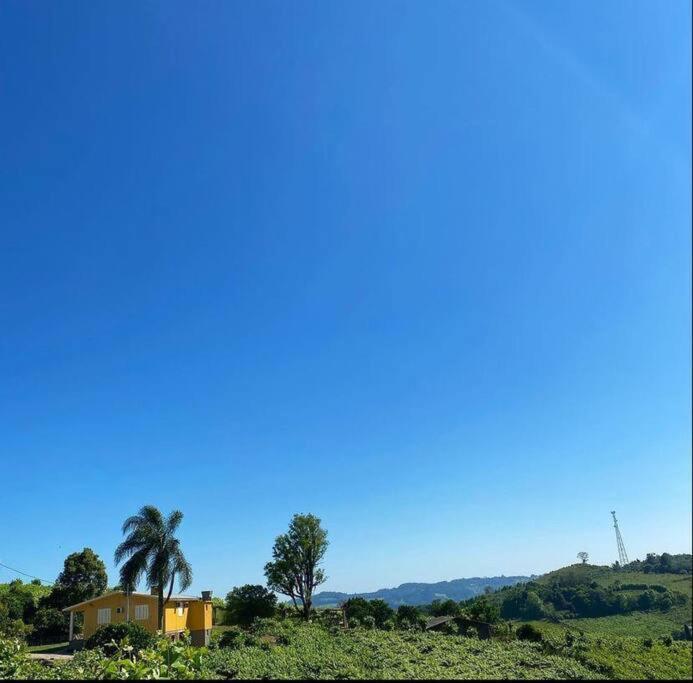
column 164, row 659
column 83, row 577
column 294, row 570
column 151, row 549
column 289, row 650
column 34, row 611
column 110, row 637
column 580, row 622
column 660, row 564
column 50, row 649
column 583, row 593
column 246, row 603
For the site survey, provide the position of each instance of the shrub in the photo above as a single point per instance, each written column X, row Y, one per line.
column 529, row 632
column 249, row 602
column 10, row 627
column 232, row 638
column 137, row 636
column 49, row 626
column 408, row 614
column 14, row 663
column 163, row 660
column 369, row 622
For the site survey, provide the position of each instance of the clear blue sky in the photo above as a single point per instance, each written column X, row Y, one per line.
column 420, row 268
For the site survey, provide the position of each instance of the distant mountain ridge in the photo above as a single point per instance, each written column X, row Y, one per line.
column 424, row 593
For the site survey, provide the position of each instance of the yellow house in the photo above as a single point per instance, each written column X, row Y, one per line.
column 181, row 612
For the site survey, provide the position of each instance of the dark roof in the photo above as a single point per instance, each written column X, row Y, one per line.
column 437, row 621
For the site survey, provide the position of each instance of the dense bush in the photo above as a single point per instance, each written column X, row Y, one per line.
column 249, row 602
column 409, row 617
column 444, row 608
column 10, row 628
column 233, row 638
column 361, row 611
column 529, row 632
column 568, row 596
column 18, row 601
column 109, row 638
column 485, row 610
column 50, row 626
column 661, row 564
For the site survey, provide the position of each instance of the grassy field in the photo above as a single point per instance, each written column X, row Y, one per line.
column 52, row 649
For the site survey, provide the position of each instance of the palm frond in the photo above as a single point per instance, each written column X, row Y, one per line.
column 173, row 521
column 152, row 515
column 182, row 567
column 132, row 570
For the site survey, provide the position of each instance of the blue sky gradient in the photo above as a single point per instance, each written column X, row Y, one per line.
column 420, row 268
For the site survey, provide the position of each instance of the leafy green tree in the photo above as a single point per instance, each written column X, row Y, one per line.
column 246, row 603
column 484, row 610
column 297, row 554
column 83, row 577
column 381, row 612
column 407, row 615
column 445, row 608
column 152, row 550
column 49, row 626
column 18, row 600
column 10, row 628
column 356, row 608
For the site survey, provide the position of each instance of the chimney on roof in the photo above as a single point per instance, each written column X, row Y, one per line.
column 207, row 595
column 154, row 590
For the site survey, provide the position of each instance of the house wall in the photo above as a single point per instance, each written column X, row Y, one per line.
column 115, row 601
column 200, row 616
column 196, row 616
column 174, row 623
column 200, row 622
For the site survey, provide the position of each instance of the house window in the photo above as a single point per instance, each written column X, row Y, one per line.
column 179, row 609
column 141, row 611
column 119, row 610
column 103, row 616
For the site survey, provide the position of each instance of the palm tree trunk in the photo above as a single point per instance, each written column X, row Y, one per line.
column 160, row 594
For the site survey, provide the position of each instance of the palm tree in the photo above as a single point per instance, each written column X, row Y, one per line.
column 152, row 550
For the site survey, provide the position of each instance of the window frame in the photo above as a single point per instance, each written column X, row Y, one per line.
column 101, row 614
column 142, row 611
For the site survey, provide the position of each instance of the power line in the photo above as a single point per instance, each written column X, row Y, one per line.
column 31, row 576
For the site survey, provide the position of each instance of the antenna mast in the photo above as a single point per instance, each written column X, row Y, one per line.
column 622, row 555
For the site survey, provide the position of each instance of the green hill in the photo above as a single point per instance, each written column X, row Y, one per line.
column 637, row 623
column 604, row 600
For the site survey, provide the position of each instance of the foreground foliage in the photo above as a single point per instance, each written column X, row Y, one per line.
column 286, row 650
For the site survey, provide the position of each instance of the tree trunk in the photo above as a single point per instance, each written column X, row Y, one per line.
column 160, row 595
column 307, row 603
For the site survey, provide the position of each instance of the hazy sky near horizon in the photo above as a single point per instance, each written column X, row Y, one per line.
column 420, row 268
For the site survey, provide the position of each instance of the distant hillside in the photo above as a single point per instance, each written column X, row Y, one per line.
column 424, row 593
column 606, row 600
